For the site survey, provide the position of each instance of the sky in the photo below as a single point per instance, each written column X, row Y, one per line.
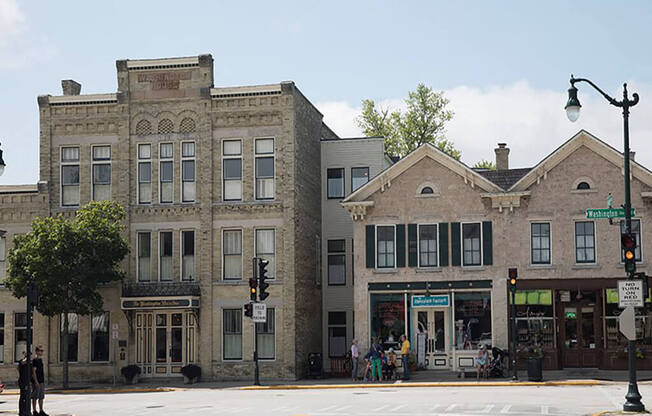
column 504, row 65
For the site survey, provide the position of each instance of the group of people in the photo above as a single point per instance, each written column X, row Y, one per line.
column 37, row 381
column 378, row 364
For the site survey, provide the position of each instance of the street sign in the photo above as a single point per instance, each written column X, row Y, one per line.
column 630, row 293
column 260, row 313
column 627, row 324
column 597, row 213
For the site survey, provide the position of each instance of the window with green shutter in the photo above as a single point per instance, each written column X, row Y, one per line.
column 443, row 244
column 370, row 246
column 456, row 258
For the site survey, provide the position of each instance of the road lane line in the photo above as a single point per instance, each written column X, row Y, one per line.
column 487, row 408
column 378, row 409
column 326, row 409
column 341, row 409
column 506, row 408
column 397, row 408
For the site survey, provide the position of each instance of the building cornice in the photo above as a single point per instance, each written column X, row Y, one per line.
column 504, row 200
column 357, row 209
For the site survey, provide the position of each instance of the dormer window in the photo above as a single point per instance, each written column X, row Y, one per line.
column 427, row 190
column 582, row 186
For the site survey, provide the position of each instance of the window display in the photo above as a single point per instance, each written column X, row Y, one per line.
column 388, row 319
column 535, row 318
column 472, row 320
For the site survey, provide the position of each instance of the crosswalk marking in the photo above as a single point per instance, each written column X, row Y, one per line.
column 397, row 408
column 325, row 409
column 545, row 410
column 435, row 407
column 506, row 408
column 340, row 409
column 378, row 409
column 451, row 407
column 487, row 408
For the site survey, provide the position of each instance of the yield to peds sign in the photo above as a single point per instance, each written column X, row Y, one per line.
column 630, row 293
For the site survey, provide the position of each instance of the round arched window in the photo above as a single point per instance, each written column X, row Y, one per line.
column 583, row 185
column 427, row 190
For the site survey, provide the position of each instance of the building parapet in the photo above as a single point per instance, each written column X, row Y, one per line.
column 246, row 91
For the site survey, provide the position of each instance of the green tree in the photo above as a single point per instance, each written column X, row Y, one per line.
column 68, row 258
column 423, row 122
column 485, row 164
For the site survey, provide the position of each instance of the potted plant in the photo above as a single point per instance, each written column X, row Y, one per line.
column 130, row 373
column 191, row 373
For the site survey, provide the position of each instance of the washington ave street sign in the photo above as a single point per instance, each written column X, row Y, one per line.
column 597, row 213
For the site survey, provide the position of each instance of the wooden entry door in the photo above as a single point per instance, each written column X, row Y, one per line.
column 580, row 347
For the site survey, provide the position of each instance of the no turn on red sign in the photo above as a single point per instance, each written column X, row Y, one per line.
column 630, row 293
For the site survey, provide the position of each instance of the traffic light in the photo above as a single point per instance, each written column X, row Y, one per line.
column 629, row 252
column 262, row 275
column 512, row 275
column 249, row 310
column 253, row 283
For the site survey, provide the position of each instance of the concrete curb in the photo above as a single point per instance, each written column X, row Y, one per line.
column 424, row 384
column 15, row 392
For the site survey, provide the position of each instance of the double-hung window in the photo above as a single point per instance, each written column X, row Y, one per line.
column 100, row 336
column 3, row 260
column 584, row 242
column 335, row 183
column 264, row 149
column 145, row 173
column 2, row 337
column 427, row 245
column 165, row 256
column 232, row 334
column 471, row 244
column 144, row 256
column 70, row 176
column 73, row 337
column 232, row 170
column 20, row 335
column 265, row 249
column 636, row 231
column 540, row 242
column 336, row 262
column 101, row 173
column 188, row 172
column 337, row 334
column 166, row 173
column 266, row 339
column 359, row 177
column 385, row 246
column 187, row 255
column 232, row 254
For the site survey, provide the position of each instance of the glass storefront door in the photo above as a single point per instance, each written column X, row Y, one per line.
column 165, row 342
column 579, row 347
column 431, row 337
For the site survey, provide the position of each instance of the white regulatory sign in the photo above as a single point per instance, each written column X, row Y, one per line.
column 630, row 293
column 260, row 313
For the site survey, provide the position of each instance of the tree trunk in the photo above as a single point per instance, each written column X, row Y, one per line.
column 65, row 350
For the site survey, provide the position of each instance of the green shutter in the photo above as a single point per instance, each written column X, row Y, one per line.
column 400, row 245
column 487, row 248
column 370, row 241
column 456, row 258
column 412, row 246
column 443, row 244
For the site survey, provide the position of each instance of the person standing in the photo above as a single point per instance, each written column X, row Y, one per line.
column 355, row 353
column 38, row 380
column 23, row 385
column 374, row 357
column 405, row 357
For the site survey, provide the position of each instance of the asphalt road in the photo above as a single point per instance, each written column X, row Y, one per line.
column 449, row 401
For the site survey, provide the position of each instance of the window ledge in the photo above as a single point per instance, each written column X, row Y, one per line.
column 579, row 266
column 246, row 203
column 473, row 268
column 243, row 282
column 385, row 271
column 583, row 191
column 428, row 269
column 542, row 267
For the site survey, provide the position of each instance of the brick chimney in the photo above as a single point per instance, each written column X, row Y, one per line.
column 502, row 156
column 70, row 87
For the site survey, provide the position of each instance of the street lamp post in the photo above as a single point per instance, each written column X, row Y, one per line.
column 633, row 397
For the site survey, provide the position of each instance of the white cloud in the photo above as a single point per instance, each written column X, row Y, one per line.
column 531, row 121
column 10, row 19
column 19, row 46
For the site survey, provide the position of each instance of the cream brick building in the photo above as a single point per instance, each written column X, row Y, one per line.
column 210, row 177
column 434, row 239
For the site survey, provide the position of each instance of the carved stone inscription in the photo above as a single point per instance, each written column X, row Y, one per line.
column 164, row 80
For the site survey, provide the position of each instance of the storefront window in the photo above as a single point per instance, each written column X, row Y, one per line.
column 534, row 318
column 472, row 320
column 388, row 318
column 613, row 337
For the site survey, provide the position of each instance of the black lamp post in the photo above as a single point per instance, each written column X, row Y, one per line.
column 633, row 397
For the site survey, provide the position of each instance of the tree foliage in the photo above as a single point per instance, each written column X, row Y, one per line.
column 68, row 258
column 422, row 122
column 485, row 164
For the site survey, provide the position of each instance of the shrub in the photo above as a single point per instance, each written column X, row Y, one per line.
column 191, row 371
column 130, row 371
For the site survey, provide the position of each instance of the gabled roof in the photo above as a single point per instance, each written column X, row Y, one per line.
column 384, row 179
column 504, row 178
column 582, row 138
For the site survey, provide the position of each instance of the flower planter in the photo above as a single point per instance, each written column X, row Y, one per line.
column 535, row 368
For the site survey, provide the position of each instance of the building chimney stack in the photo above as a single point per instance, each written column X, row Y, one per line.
column 502, row 156
column 70, row 87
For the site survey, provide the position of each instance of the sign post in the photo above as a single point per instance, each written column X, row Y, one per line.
column 114, row 340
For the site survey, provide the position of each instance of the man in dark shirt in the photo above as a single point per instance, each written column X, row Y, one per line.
column 23, row 384
column 38, row 383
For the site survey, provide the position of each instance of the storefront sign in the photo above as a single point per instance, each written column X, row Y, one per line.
column 173, row 303
column 430, row 301
column 630, row 293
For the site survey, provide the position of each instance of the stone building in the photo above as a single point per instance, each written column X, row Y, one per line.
column 210, row 177
column 434, row 239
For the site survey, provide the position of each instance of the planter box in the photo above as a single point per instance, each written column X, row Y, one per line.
column 535, row 368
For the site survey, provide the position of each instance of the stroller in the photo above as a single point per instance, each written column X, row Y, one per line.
column 498, row 363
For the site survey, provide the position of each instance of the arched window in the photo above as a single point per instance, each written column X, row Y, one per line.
column 427, row 190
column 165, row 126
column 583, row 185
column 187, row 125
column 144, row 127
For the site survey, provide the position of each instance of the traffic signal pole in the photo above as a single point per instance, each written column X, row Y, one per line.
column 256, row 370
column 514, row 336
